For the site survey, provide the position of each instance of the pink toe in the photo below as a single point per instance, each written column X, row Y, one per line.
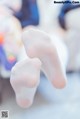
column 24, row 103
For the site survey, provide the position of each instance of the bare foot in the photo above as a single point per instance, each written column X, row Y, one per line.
column 25, row 79
column 38, row 44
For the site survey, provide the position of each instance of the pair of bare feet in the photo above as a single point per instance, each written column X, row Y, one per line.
column 25, row 75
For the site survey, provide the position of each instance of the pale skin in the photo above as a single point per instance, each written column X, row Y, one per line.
column 26, row 74
column 37, row 44
column 25, row 78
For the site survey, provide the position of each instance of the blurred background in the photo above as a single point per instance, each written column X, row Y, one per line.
column 61, row 21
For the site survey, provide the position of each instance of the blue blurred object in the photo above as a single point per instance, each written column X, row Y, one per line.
column 64, row 10
column 4, row 61
column 28, row 15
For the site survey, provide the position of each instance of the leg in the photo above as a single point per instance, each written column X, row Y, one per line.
column 38, row 44
column 25, row 79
